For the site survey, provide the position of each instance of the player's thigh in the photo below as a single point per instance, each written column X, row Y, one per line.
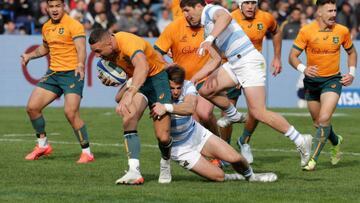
column 204, row 168
column 328, row 102
column 162, row 128
column 255, row 98
column 40, row 98
column 71, row 103
column 204, row 108
column 217, row 148
column 314, row 109
column 219, row 80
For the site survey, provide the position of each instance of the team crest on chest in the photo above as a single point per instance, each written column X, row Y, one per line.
column 260, row 26
column 336, row 40
column 61, row 30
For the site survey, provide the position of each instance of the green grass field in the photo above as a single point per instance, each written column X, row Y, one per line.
column 58, row 178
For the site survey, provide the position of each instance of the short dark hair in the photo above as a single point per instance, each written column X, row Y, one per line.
column 97, row 35
column 323, row 2
column 176, row 74
column 191, row 3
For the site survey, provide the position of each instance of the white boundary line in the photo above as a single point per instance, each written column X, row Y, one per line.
column 155, row 146
column 25, row 134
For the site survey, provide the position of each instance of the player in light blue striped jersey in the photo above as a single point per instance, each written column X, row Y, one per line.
column 192, row 142
column 245, row 66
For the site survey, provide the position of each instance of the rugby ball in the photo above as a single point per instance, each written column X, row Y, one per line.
column 111, row 71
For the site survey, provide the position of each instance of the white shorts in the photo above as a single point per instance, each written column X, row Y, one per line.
column 249, row 71
column 188, row 153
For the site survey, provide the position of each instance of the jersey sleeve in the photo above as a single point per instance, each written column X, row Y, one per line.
column 131, row 49
column 43, row 34
column 77, row 30
column 190, row 89
column 271, row 22
column 347, row 43
column 301, row 41
column 165, row 40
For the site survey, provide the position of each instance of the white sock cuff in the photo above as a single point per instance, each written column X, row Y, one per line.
column 290, row 131
column 134, row 164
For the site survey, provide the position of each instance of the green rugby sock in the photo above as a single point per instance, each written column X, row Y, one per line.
column 132, row 144
column 322, row 135
column 166, row 149
column 333, row 137
column 245, row 137
column 39, row 125
column 82, row 136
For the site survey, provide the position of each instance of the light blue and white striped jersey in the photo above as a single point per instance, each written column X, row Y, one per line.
column 182, row 127
column 232, row 42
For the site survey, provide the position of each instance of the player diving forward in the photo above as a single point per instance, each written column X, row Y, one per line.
column 192, row 142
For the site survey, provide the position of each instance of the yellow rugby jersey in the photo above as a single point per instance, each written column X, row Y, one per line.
column 130, row 44
column 176, row 10
column 60, row 39
column 183, row 41
column 323, row 47
column 256, row 28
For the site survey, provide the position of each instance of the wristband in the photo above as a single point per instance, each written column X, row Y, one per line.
column 352, row 70
column 169, row 108
column 210, row 38
column 301, row 67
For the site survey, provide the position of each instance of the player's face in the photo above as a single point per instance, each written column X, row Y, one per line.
column 193, row 15
column 56, row 10
column 103, row 49
column 327, row 14
column 175, row 90
column 248, row 9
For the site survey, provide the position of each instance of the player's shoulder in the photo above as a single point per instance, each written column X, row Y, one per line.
column 236, row 13
column 67, row 20
column 264, row 15
column 341, row 28
column 310, row 28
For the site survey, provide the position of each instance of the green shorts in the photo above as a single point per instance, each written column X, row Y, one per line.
column 63, row 82
column 314, row 87
column 157, row 89
column 232, row 93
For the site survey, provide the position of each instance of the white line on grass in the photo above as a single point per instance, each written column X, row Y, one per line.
column 155, row 146
column 25, row 134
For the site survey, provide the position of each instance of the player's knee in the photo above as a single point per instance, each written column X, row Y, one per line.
column 70, row 114
column 324, row 119
column 163, row 138
column 30, row 109
column 259, row 114
column 219, row 177
column 206, row 92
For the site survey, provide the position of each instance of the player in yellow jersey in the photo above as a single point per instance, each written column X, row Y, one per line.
column 322, row 41
column 141, row 62
column 64, row 40
column 255, row 23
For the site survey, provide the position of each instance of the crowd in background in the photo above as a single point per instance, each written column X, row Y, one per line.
column 148, row 18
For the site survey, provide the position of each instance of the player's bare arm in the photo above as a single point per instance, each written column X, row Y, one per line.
column 80, row 45
column 276, row 63
column 141, row 71
column 310, row 71
column 222, row 20
column 210, row 66
column 348, row 78
column 186, row 108
column 40, row 51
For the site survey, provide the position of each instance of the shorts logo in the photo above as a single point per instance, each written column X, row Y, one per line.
column 336, row 40
column 184, row 163
column 260, row 26
column 161, row 96
column 61, row 30
column 333, row 86
column 72, row 86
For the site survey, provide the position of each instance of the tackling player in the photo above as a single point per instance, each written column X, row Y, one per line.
column 192, row 142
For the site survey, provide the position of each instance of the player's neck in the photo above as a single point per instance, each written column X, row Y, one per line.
column 323, row 26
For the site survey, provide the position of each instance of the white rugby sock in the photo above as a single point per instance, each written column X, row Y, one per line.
column 233, row 176
column 43, row 143
column 295, row 136
column 134, row 165
column 86, row 150
column 232, row 113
